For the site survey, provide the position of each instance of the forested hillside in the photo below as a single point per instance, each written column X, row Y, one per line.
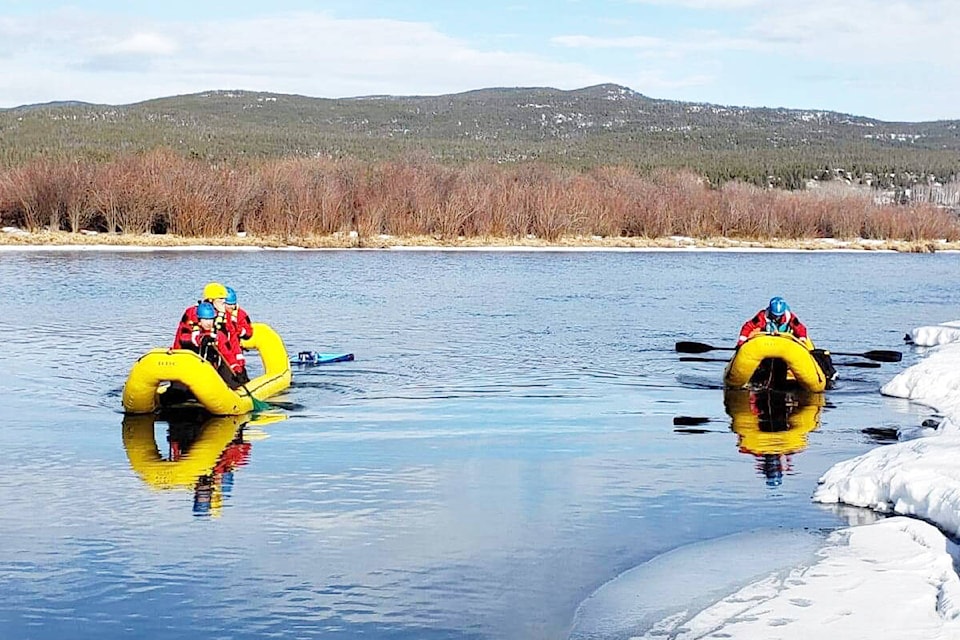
column 585, row 128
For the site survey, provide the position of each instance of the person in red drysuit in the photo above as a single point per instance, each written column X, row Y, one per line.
column 239, row 327
column 775, row 318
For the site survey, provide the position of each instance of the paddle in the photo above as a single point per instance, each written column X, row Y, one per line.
column 879, row 355
column 862, row 365
column 258, row 405
column 313, row 357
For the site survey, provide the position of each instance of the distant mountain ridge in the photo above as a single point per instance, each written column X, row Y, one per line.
column 601, row 124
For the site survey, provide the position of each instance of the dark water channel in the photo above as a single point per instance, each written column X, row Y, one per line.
column 504, row 444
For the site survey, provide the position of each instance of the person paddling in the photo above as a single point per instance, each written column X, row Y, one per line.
column 237, row 315
column 208, row 341
column 213, row 293
column 775, row 318
column 239, row 327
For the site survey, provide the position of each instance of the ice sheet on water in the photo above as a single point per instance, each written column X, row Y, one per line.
column 678, row 584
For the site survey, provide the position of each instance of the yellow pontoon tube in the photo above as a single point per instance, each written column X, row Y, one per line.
column 140, row 393
column 801, row 364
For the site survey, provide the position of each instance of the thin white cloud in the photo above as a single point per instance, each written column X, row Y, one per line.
column 715, row 5
column 857, row 34
column 658, row 83
column 819, row 29
column 592, row 42
column 153, row 44
column 862, row 30
column 692, row 42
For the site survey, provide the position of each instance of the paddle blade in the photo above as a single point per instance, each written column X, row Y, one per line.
column 259, row 405
column 693, row 347
column 881, row 355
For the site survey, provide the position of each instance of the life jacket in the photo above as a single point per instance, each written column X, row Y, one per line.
column 239, row 320
column 774, row 328
column 188, row 324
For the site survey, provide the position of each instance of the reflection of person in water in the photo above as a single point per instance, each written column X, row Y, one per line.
column 772, row 466
column 210, row 488
column 203, row 497
column 772, row 410
column 772, row 426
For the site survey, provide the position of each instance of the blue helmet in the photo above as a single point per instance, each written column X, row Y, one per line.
column 205, row 311
column 777, row 307
column 231, row 296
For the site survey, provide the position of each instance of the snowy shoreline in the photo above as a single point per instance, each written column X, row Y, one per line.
column 61, row 248
column 15, row 239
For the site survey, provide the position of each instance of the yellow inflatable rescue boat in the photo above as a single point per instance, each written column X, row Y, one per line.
column 757, row 361
column 149, row 375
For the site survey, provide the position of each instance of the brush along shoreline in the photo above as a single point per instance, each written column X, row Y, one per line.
column 15, row 238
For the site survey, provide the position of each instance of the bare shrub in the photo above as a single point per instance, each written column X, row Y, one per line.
column 48, row 192
column 243, row 196
column 293, row 198
column 28, row 195
column 141, row 191
column 471, row 204
column 74, row 182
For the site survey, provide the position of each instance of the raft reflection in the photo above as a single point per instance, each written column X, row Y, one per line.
column 772, row 426
column 202, row 454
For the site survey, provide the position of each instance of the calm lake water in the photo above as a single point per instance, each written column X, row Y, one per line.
column 503, row 445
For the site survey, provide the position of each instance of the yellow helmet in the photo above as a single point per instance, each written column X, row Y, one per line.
column 214, row 290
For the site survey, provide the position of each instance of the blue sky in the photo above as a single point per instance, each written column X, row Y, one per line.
column 892, row 60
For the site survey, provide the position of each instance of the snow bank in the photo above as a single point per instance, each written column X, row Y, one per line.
column 892, row 579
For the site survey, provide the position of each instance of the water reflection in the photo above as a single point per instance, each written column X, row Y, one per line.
column 772, row 426
column 202, row 452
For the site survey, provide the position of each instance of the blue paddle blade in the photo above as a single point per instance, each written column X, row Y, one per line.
column 313, row 357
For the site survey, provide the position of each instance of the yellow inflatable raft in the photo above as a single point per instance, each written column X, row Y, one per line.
column 766, row 425
column 141, row 393
column 781, row 350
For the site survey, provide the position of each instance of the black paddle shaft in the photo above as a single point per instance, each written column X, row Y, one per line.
column 699, row 347
column 879, row 355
